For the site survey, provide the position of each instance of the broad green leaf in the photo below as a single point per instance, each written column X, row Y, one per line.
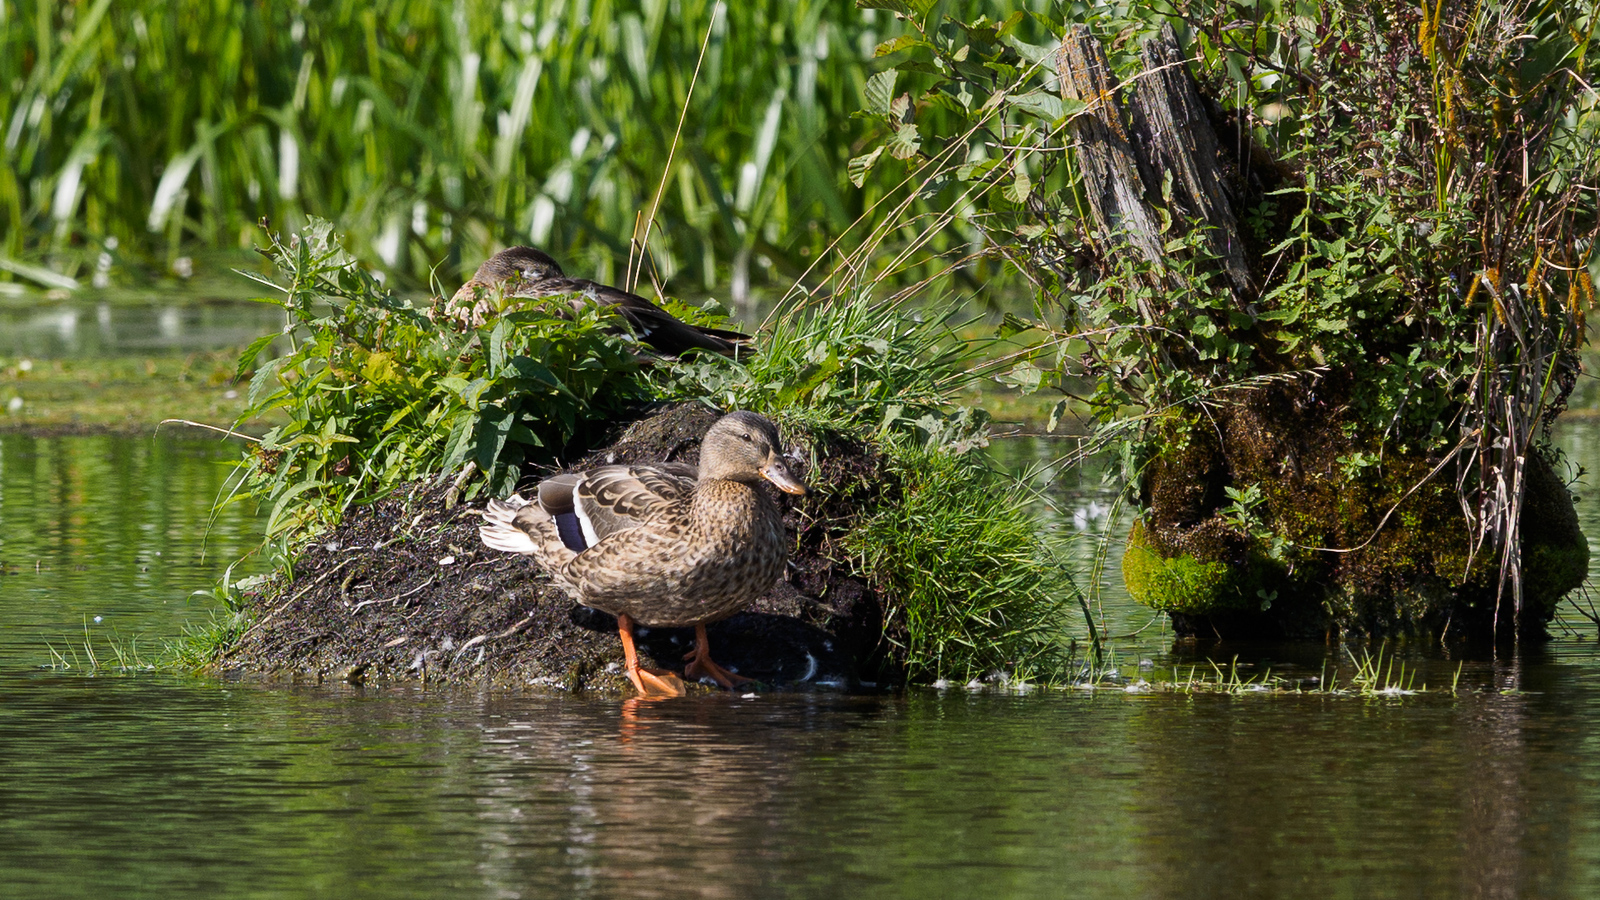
column 905, row 142
column 879, row 92
column 861, row 165
column 1019, row 188
column 895, row 45
column 1041, row 103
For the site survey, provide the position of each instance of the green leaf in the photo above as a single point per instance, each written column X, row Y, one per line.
column 493, row 426
column 247, row 359
column 1011, row 325
column 895, row 45
column 1025, row 376
column 905, row 142
column 1019, row 188
column 861, row 165
column 1041, row 103
column 262, row 382
column 1056, row 412
column 460, row 442
column 879, row 92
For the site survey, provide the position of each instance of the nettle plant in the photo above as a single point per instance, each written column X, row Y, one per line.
column 378, row 392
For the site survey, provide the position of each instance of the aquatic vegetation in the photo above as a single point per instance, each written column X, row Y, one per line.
column 1372, row 675
column 972, row 586
column 1363, row 319
column 227, row 618
column 118, row 655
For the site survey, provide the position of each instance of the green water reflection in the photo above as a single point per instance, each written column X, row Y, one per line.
column 160, row 786
column 115, row 527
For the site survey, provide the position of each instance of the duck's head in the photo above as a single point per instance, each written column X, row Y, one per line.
column 522, row 263
column 743, row 446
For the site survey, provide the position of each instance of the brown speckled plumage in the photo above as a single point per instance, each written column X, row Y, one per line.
column 657, row 546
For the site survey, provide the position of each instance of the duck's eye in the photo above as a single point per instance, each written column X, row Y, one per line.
column 745, row 436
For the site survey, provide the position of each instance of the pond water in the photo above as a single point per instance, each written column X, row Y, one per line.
column 147, row 785
column 132, row 325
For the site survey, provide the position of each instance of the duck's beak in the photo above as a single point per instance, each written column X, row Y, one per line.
column 778, row 473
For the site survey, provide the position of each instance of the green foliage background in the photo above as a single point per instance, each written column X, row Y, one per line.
column 434, row 132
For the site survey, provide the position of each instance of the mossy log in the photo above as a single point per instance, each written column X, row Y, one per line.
column 1381, row 550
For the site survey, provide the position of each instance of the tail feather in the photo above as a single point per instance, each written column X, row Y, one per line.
column 515, row 525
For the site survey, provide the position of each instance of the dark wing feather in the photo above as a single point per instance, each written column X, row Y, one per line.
column 654, row 325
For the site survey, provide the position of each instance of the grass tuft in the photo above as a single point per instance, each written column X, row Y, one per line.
column 973, row 589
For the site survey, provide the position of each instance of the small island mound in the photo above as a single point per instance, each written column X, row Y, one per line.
column 404, row 589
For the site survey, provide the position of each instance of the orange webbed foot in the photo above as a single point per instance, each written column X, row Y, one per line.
column 657, row 684
column 701, row 664
column 654, row 684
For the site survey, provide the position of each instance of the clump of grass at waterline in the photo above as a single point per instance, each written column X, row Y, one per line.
column 378, row 394
column 975, row 590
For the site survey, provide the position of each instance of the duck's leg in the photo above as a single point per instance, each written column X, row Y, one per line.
column 652, row 683
column 700, row 663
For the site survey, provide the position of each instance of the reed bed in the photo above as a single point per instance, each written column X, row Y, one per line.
column 433, row 132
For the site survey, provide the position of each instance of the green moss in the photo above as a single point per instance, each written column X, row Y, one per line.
column 1184, row 584
column 1380, row 548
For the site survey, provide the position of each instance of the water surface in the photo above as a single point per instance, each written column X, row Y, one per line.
column 145, row 785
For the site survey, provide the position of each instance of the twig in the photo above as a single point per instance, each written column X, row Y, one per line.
column 226, row 432
column 396, row 598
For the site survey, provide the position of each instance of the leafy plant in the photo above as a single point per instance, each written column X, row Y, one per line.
column 378, row 392
column 1414, row 220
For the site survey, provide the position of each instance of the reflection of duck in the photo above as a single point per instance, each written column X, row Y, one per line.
column 523, row 272
column 659, row 545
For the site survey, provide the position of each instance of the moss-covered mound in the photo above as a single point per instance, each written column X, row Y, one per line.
column 404, row 589
column 1300, row 529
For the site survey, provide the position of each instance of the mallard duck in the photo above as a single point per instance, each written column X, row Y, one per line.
column 661, row 546
column 524, row 272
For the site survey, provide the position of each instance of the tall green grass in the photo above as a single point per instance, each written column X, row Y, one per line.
column 432, row 132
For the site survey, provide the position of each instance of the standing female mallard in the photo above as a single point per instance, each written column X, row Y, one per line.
column 658, row 546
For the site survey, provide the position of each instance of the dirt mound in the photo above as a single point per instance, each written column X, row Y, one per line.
column 403, row 589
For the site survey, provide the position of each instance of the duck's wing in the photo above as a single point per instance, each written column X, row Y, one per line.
column 616, row 498
column 655, row 326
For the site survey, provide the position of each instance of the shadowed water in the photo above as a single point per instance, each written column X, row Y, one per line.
column 146, row 785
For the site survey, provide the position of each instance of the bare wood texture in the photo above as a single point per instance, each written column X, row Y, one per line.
column 1173, row 135
column 1111, row 176
column 1127, row 155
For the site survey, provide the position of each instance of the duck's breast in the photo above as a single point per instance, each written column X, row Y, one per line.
column 741, row 548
